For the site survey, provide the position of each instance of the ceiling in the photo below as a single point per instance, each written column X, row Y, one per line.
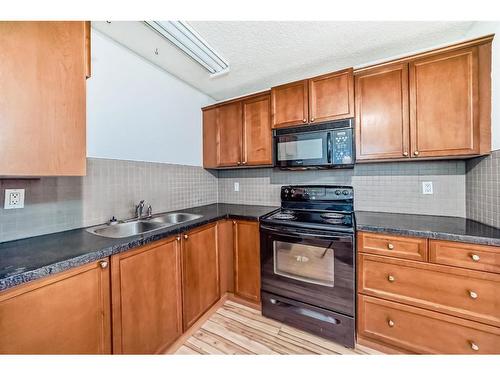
column 262, row 54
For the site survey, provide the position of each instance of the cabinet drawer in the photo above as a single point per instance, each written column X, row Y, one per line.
column 476, row 257
column 396, row 324
column 394, row 246
column 464, row 293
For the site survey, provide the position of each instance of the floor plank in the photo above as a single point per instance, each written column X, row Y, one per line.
column 239, row 329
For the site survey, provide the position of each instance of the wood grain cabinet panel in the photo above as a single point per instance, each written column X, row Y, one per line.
column 444, row 103
column 225, row 244
column 43, row 101
column 394, row 246
column 200, row 272
column 247, row 260
column 331, row 96
column 147, row 301
column 229, row 120
column 257, row 134
column 472, row 256
column 422, row 331
column 68, row 313
column 382, row 114
column 210, row 138
column 464, row 293
column 289, row 104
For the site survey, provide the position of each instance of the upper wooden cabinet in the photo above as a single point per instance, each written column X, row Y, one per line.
column 68, row 313
column 42, row 107
column 238, row 133
column 433, row 105
column 382, row 116
column 324, row 98
column 147, row 299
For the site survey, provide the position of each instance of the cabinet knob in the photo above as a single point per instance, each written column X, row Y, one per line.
column 103, row 264
column 391, row 278
column 472, row 294
column 474, row 346
column 390, row 323
column 244, row 163
column 178, row 238
column 239, row 163
column 390, row 246
column 475, row 257
column 405, row 153
column 304, row 120
column 186, row 236
column 415, row 153
column 234, row 222
column 312, row 119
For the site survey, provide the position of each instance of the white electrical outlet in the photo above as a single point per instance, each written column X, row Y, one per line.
column 14, row 198
column 427, row 187
column 236, row 186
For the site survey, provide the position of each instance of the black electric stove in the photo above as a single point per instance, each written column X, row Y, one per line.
column 307, row 261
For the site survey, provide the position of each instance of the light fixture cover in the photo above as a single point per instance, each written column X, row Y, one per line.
column 191, row 43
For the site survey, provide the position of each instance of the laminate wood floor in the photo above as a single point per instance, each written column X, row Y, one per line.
column 238, row 329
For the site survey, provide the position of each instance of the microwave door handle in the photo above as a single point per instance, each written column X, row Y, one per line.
column 329, row 147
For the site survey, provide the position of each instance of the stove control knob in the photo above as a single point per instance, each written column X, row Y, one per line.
column 286, row 191
column 345, row 192
column 337, row 192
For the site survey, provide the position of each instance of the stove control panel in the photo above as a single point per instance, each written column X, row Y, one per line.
column 316, row 193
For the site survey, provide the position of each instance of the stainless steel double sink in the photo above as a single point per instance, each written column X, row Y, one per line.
column 140, row 226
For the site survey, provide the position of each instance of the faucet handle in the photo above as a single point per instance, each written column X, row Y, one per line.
column 150, row 211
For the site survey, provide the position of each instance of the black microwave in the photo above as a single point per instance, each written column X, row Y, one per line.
column 328, row 145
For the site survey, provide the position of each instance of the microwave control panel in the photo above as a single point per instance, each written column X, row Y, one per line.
column 342, row 146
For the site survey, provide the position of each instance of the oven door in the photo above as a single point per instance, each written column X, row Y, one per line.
column 309, row 266
column 303, row 149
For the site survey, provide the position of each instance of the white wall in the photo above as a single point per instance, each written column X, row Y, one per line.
column 481, row 29
column 136, row 111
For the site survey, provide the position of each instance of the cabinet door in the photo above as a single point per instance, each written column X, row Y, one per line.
column 289, row 104
column 147, row 302
column 68, row 313
column 229, row 119
column 247, row 260
column 200, row 272
column 331, row 96
column 210, row 138
column 382, row 115
column 42, row 105
column 444, row 117
column 257, row 133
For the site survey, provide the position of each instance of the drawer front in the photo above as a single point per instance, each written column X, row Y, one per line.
column 475, row 257
column 396, row 324
column 394, row 246
column 468, row 294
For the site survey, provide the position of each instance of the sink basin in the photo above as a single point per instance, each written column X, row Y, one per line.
column 141, row 226
column 174, row 218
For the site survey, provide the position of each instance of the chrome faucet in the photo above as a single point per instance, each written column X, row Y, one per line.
column 139, row 209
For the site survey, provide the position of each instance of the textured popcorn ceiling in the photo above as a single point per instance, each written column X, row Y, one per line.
column 265, row 54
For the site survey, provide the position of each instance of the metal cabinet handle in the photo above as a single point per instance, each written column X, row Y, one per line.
column 186, row 236
column 103, row 264
column 475, row 257
column 391, row 278
column 390, row 323
column 472, row 294
column 405, row 153
column 415, row 153
column 390, row 246
column 474, row 346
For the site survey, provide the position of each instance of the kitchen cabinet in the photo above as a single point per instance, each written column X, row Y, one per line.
column 257, row 134
column 43, row 107
column 200, row 272
column 226, row 255
column 147, row 298
column 229, row 120
column 382, row 115
column 324, row 98
column 210, row 138
column 433, row 105
column 247, row 260
column 68, row 313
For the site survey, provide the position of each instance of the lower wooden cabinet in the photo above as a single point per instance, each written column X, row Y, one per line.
column 247, row 260
column 147, row 304
column 200, row 272
column 68, row 313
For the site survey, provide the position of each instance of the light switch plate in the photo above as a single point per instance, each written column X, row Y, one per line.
column 427, row 187
column 14, row 198
column 236, row 186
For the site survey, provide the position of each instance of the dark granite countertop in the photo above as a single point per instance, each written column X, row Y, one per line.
column 435, row 227
column 32, row 258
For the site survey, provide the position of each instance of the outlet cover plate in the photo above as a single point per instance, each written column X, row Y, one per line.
column 14, row 198
column 427, row 187
column 236, row 186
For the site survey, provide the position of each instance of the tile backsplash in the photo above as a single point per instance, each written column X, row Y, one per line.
column 111, row 187
column 387, row 187
column 483, row 189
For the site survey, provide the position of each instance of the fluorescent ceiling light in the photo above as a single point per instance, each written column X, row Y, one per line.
column 190, row 42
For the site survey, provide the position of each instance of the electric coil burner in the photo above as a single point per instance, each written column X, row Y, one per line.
column 307, row 261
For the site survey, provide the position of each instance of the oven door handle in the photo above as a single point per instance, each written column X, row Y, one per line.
column 301, row 234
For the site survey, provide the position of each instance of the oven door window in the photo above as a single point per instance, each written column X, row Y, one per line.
column 308, row 263
column 302, row 149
